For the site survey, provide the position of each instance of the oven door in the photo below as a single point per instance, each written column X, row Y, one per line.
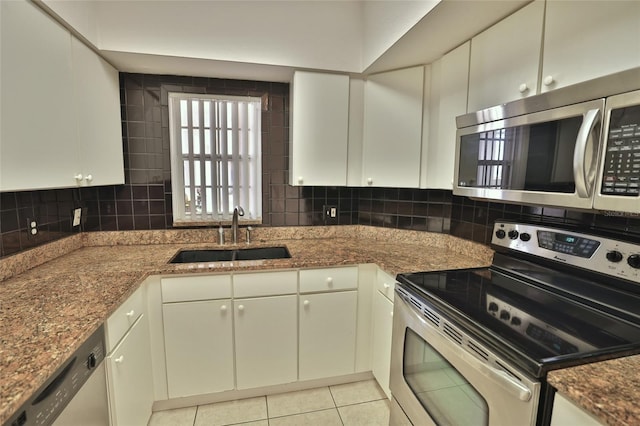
column 548, row 157
column 441, row 376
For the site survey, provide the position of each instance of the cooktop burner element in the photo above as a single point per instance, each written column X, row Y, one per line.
column 551, row 299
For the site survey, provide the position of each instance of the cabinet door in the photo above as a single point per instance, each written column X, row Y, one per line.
column 449, row 83
column 37, row 136
column 393, row 128
column 319, row 129
column 198, row 347
column 97, row 100
column 130, row 379
column 589, row 39
column 566, row 412
column 382, row 326
column 266, row 341
column 505, row 59
column 327, row 334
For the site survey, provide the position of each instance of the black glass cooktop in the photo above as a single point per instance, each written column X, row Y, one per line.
column 538, row 318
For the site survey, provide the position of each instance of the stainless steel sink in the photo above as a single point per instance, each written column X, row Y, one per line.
column 227, row 255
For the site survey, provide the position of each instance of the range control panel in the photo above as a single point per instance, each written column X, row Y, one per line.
column 607, row 256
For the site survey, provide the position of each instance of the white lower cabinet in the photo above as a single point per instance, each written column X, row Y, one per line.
column 198, row 347
column 327, row 334
column 266, row 341
column 130, row 380
column 566, row 412
column 381, row 342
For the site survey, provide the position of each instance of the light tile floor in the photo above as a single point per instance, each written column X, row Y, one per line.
column 351, row 404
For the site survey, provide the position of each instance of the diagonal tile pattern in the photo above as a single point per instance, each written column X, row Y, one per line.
column 351, row 404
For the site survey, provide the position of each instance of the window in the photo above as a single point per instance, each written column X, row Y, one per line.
column 215, row 157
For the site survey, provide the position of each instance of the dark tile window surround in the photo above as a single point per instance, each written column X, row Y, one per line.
column 144, row 201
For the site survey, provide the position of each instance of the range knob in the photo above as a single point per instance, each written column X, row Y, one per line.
column 634, row 261
column 516, row 321
column 500, row 233
column 493, row 307
column 525, row 236
column 513, row 234
column 505, row 315
column 614, row 256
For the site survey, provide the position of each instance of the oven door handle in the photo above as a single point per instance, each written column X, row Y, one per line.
column 584, row 174
column 504, row 379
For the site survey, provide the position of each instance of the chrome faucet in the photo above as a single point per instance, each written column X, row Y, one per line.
column 238, row 211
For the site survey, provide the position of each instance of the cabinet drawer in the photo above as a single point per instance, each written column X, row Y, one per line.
column 203, row 287
column 329, row 279
column 385, row 284
column 265, row 284
column 124, row 317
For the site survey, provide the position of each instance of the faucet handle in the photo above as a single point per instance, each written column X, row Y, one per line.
column 249, row 229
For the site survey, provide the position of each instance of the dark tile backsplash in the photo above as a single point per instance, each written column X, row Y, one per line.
column 144, row 201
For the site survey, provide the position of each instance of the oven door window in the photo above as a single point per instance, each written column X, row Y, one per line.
column 441, row 389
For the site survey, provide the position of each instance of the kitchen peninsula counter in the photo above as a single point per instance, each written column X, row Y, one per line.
column 54, row 296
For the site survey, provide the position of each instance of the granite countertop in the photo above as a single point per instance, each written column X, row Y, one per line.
column 54, row 296
column 608, row 390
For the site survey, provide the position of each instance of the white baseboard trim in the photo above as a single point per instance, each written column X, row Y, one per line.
column 190, row 401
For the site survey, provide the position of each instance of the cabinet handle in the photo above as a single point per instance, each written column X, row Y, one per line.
column 88, row 178
column 78, row 177
column 386, row 286
column 369, row 181
column 329, row 281
column 548, row 80
column 241, row 308
column 523, row 88
column 130, row 313
column 300, row 180
column 391, row 313
column 223, row 308
column 306, row 303
column 119, row 360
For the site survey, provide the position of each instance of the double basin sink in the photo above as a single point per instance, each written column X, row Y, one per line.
column 229, row 255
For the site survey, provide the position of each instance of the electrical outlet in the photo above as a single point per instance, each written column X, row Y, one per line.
column 32, row 227
column 77, row 215
column 330, row 214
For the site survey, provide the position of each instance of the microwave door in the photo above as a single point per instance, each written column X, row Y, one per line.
column 618, row 183
column 547, row 158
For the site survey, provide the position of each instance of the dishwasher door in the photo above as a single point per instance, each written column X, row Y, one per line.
column 90, row 406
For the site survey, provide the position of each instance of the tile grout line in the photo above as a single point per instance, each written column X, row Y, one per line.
column 335, row 405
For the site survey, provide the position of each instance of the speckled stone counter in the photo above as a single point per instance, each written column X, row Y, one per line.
column 53, row 297
column 608, row 390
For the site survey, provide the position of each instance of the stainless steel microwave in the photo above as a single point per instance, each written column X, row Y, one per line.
column 576, row 147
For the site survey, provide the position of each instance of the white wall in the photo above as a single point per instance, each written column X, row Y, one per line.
column 81, row 15
column 305, row 34
column 385, row 22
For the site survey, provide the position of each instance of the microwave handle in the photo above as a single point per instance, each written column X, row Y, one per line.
column 581, row 171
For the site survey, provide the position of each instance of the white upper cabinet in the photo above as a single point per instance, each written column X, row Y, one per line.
column 589, row 39
column 393, row 128
column 449, row 84
column 60, row 108
column 97, row 100
column 38, row 133
column 319, row 129
column 505, row 58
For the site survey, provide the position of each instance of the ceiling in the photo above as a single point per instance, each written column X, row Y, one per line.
column 268, row 39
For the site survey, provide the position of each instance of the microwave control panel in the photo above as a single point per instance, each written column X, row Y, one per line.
column 621, row 173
